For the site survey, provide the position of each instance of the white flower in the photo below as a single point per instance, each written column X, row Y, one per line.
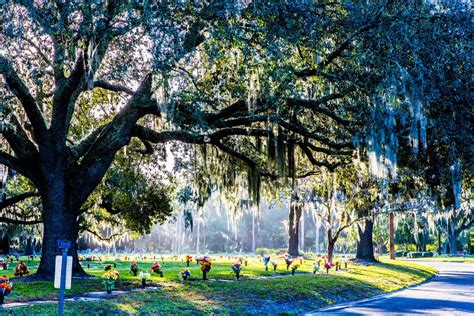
column 144, row 275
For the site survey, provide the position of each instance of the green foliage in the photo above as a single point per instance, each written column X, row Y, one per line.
column 399, row 253
column 130, row 196
column 414, row 254
column 270, row 251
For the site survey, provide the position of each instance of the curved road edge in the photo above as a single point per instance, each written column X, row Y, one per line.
column 369, row 299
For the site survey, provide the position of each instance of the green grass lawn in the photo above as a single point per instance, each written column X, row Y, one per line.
column 442, row 258
column 445, row 258
column 290, row 294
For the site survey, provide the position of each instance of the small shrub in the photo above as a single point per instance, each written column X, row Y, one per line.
column 414, row 254
column 427, row 254
column 399, row 253
column 261, row 251
column 268, row 251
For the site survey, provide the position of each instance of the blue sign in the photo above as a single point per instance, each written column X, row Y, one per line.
column 64, row 244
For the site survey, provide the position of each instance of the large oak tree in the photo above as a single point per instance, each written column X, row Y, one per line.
column 213, row 74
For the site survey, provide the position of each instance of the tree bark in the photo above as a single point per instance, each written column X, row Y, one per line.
column 59, row 221
column 317, row 223
column 58, row 226
column 293, row 229
column 392, row 235
column 302, row 232
column 452, row 236
column 331, row 243
column 5, row 245
column 439, row 243
column 365, row 245
column 29, row 249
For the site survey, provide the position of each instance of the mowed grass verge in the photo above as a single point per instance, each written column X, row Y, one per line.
column 282, row 294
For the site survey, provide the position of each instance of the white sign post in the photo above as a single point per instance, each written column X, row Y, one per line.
column 63, row 272
column 58, row 270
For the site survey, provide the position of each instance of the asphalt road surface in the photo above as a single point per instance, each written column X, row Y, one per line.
column 451, row 293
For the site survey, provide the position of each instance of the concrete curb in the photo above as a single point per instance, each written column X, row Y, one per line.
column 367, row 300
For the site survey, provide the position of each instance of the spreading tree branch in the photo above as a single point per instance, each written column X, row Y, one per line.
column 112, row 87
column 8, row 220
column 16, row 199
column 20, row 90
column 21, row 166
column 337, row 52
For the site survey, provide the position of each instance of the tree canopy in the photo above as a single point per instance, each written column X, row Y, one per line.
column 285, row 88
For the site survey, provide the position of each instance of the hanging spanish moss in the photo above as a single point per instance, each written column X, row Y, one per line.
column 291, row 163
column 271, row 150
column 281, row 154
column 253, row 89
column 383, row 144
column 254, row 183
column 456, row 178
column 258, row 144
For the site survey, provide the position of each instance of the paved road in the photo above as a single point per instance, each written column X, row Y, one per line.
column 451, row 293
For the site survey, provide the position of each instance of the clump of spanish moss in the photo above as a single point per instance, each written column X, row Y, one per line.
column 254, row 183
column 281, row 154
column 271, row 150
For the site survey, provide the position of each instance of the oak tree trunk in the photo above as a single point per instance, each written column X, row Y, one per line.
column 392, row 235
column 60, row 217
column 452, row 236
column 365, row 244
column 29, row 249
column 293, row 229
column 59, row 225
column 331, row 244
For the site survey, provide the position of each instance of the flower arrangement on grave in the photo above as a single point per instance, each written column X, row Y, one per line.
column 237, row 267
column 205, row 262
column 143, row 276
column 300, row 258
column 338, row 265
column 288, row 261
column 184, row 274
column 4, row 265
column 328, row 266
column 275, row 265
column 294, row 267
column 134, row 268
column 156, row 268
column 345, row 261
column 243, row 260
column 109, row 278
column 188, row 260
column 5, row 288
column 266, row 261
column 316, row 268
column 21, row 269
